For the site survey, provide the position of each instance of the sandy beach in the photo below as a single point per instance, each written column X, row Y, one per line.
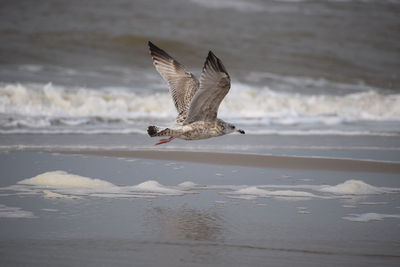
column 107, row 205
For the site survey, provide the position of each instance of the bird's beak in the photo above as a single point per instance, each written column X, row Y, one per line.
column 241, row 131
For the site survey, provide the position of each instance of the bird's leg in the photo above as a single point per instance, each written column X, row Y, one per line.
column 162, row 141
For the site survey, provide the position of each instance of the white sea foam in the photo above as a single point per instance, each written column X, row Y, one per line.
column 249, row 102
column 156, row 187
column 189, row 185
column 14, row 212
column 253, row 192
column 51, row 194
column 345, row 189
column 45, row 106
column 354, row 187
column 56, row 101
column 349, row 187
column 367, row 217
column 63, row 179
column 60, row 184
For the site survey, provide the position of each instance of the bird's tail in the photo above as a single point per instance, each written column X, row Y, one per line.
column 156, row 131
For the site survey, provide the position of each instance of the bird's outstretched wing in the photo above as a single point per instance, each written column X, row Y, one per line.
column 214, row 85
column 182, row 84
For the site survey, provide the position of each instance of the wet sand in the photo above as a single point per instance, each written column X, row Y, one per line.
column 253, row 160
column 196, row 208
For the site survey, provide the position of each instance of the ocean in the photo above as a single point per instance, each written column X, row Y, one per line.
column 297, row 67
column 313, row 182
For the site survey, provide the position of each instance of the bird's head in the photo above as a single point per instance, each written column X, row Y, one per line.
column 232, row 128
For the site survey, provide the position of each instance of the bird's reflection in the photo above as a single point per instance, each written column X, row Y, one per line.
column 185, row 223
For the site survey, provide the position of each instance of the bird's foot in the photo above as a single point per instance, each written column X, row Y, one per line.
column 162, row 141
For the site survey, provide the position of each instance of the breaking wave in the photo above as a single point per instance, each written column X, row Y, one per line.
column 33, row 106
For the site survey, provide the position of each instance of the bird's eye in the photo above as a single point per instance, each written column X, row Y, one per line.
column 233, row 127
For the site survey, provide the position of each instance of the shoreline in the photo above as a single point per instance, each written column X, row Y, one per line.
column 252, row 160
column 269, row 203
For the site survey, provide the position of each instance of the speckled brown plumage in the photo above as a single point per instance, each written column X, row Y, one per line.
column 197, row 102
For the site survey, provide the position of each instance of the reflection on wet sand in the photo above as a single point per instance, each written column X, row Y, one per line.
column 185, row 223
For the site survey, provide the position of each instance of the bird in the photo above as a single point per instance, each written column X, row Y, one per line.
column 197, row 101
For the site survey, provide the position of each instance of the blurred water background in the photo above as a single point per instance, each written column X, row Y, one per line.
column 297, row 67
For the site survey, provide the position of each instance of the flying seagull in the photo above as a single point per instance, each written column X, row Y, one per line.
column 196, row 101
